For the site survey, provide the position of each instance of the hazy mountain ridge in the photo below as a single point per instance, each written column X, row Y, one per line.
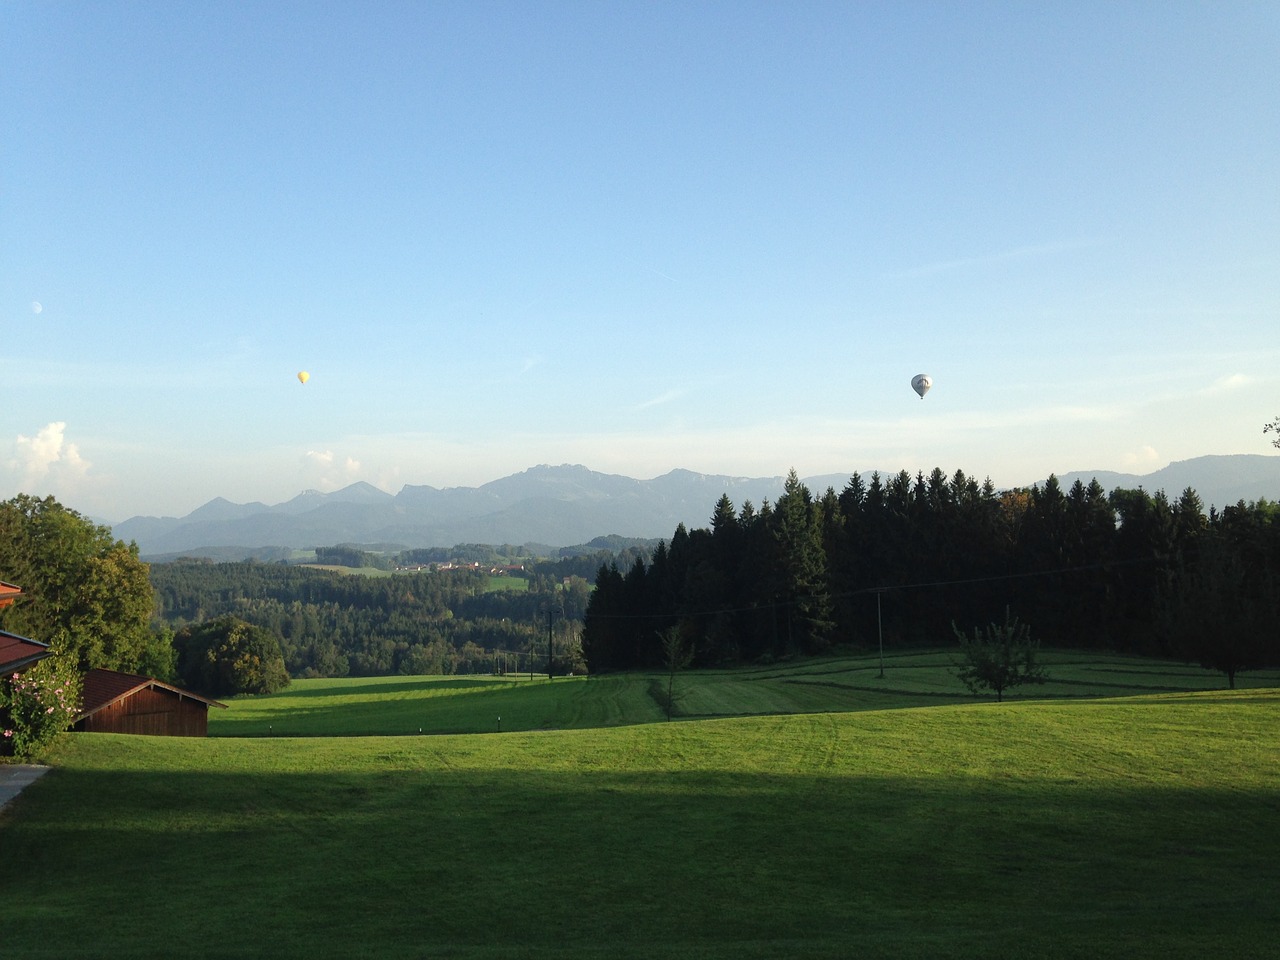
column 1219, row 481
column 571, row 504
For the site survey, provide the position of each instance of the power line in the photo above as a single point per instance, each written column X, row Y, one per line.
column 795, row 601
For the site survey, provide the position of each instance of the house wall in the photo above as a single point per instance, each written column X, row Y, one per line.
column 150, row 711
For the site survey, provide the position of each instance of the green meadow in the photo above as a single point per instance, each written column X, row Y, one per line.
column 396, row 706
column 1128, row 808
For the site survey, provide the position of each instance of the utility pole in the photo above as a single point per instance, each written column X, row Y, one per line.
column 880, row 630
column 550, row 645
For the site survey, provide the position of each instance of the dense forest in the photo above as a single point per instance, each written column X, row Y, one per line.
column 909, row 560
column 333, row 623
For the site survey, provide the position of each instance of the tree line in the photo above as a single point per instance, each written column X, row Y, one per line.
column 331, row 623
column 908, row 560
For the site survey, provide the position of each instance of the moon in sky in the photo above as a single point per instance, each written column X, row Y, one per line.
column 36, row 306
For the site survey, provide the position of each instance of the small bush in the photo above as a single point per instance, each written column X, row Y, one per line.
column 35, row 707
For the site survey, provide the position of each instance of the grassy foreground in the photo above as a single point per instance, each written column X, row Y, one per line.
column 1135, row 827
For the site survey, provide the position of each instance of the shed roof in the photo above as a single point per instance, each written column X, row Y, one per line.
column 17, row 652
column 105, row 687
column 8, row 593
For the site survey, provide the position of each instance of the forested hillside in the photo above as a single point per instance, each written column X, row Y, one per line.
column 907, row 558
column 334, row 624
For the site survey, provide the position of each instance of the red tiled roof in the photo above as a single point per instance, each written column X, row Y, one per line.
column 8, row 592
column 17, row 652
column 104, row 687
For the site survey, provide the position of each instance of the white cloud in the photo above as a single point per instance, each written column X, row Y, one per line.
column 48, row 456
column 329, row 471
column 1226, row 384
column 47, row 465
column 1143, row 457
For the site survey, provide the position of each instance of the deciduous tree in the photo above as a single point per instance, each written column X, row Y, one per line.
column 228, row 656
column 1222, row 612
column 85, row 593
column 999, row 657
column 677, row 654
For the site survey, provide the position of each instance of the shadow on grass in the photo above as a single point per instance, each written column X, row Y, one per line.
column 420, row 860
column 380, row 687
column 472, row 708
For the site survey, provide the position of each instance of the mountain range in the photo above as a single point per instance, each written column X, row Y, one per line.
column 559, row 506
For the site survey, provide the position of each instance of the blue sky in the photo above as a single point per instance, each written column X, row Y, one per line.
column 636, row 236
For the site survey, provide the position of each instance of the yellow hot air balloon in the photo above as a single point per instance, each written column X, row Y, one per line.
column 303, row 376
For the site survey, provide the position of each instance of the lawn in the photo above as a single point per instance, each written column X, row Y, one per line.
column 1134, row 826
column 398, row 706
column 488, row 704
column 514, row 584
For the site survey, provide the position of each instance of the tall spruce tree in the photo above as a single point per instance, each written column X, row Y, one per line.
column 797, row 530
column 605, row 643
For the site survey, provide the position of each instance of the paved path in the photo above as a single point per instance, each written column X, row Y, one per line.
column 15, row 776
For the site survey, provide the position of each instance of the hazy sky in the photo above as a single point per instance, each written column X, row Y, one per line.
column 635, row 236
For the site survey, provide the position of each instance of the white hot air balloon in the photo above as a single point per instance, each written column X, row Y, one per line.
column 921, row 383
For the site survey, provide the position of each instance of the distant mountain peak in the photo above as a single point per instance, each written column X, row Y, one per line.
column 220, row 509
column 556, row 468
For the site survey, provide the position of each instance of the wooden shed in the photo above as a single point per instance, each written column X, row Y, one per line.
column 114, row 702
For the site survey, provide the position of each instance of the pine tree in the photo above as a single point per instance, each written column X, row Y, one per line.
column 797, row 530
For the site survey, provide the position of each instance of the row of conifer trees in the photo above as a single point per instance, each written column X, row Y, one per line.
column 900, row 560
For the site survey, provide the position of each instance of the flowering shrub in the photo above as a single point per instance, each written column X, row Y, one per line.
column 35, row 707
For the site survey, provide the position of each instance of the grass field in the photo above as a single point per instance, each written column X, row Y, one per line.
column 350, row 571
column 1143, row 823
column 473, row 704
